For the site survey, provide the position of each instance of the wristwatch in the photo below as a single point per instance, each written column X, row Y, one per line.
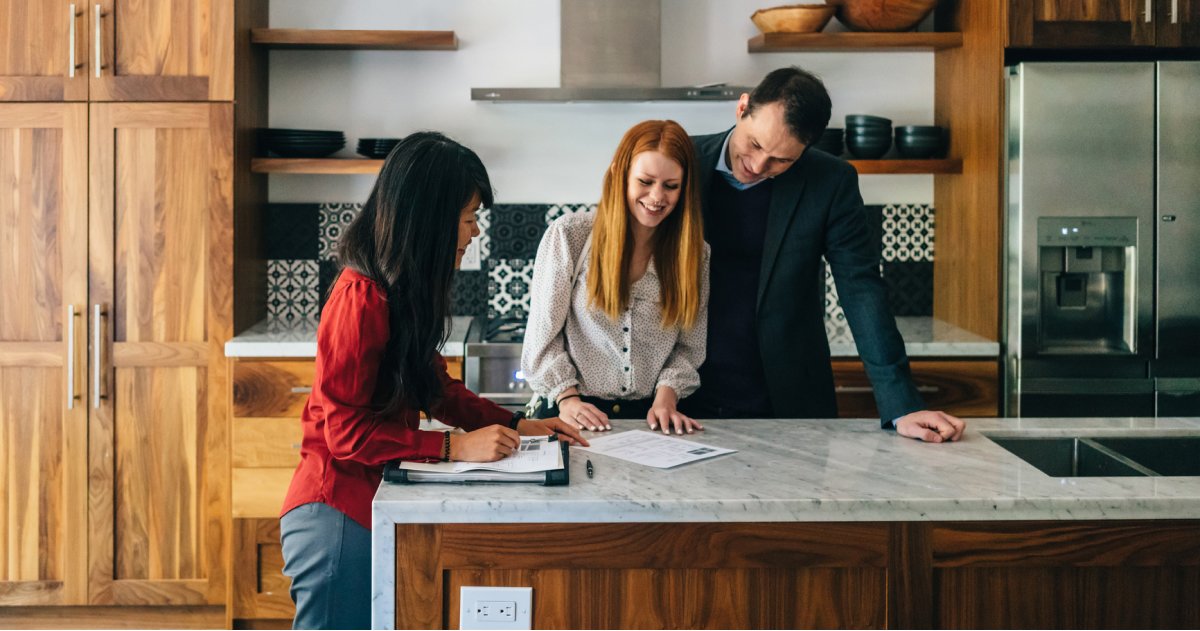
column 516, row 418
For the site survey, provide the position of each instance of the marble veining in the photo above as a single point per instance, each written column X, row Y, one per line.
column 924, row 337
column 269, row 339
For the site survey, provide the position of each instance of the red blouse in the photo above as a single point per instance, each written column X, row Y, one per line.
column 345, row 442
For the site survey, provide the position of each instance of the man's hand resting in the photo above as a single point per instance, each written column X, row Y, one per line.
column 930, row 426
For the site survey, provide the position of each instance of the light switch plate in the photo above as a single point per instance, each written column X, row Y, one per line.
column 471, row 259
column 495, row 608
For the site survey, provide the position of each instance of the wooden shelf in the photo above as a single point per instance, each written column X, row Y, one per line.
column 320, row 39
column 906, row 167
column 328, row 166
column 850, row 42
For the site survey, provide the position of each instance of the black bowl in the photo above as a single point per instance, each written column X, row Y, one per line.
column 858, row 120
column 867, row 148
column 919, row 130
column 919, row 149
column 869, row 131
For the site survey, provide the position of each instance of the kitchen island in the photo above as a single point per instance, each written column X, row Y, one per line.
column 827, row 523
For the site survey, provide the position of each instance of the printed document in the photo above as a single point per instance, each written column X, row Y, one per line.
column 536, row 453
column 653, row 449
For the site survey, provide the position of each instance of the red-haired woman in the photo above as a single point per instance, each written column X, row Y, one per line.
column 618, row 318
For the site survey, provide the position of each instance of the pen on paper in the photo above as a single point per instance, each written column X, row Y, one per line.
column 590, row 470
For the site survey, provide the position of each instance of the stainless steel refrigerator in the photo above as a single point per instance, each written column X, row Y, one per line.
column 1102, row 277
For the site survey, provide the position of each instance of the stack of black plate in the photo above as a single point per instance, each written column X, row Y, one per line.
column 868, row 137
column 919, row 142
column 376, row 147
column 831, row 141
column 302, row 143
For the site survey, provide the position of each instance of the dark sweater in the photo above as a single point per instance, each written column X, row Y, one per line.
column 732, row 382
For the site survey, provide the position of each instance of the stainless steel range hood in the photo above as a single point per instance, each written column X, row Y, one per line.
column 611, row 51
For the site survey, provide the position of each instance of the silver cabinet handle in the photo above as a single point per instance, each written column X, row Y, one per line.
column 1149, row 10
column 301, row 389
column 98, row 14
column 71, row 396
column 1174, row 11
column 71, row 50
column 98, row 342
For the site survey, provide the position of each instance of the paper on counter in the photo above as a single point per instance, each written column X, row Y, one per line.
column 536, row 453
column 653, row 449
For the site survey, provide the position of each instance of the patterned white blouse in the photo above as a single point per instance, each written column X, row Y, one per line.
column 569, row 343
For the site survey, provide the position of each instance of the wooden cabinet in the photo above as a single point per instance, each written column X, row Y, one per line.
column 113, row 419
column 958, row 387
column 1103, row 23
column 43, row 336
column 159, row 286
column 43, row 50
column 116, row 50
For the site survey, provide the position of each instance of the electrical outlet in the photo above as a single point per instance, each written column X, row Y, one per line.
column 495, row 608
column 471, row 258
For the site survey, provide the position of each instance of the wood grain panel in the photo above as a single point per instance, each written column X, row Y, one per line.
column 781, row 545
column 266, row 442
column 172, row 50
column 35, row 51
column 1184, row 30
column 289, row 38
column 161, row 195
column 849, row 41
column 132, row 617
column 968, row 89
column 259, row 492
column 1084, row 544
column 260, row 587
column 419, row 570
column 688, row 599
column 250, row 189
column 43, row 430
column 962, row 388
column 266, row 388
column 1081, row 23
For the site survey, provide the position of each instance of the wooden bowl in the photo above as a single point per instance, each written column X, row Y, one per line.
column 882, row 15
column 793, row 18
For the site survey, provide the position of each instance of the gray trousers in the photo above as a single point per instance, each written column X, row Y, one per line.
column 328, row 557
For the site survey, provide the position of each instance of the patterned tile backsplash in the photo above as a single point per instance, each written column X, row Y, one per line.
column 302, row 246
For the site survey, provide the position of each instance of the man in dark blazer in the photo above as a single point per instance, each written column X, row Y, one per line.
column 772, row 209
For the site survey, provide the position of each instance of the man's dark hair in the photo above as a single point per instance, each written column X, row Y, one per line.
column 806, row 105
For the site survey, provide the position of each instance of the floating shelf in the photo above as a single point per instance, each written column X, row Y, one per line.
column 849, row 42
column 329, row 166
column 906, row 167
column 321, row 39
column 353, row 166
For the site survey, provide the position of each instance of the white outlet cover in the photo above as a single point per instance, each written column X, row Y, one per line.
column 471, row 258
column 469, row 616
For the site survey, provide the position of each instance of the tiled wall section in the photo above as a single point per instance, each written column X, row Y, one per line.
column 302, row 244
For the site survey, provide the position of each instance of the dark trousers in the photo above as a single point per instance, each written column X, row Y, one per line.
column 614, row 408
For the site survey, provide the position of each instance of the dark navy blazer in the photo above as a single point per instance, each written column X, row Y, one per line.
column 817, row 210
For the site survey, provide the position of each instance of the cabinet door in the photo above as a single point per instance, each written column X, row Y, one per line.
column 160, row 284
column 43, row 50
column 166, row 50
column 1178, row 23
column 961, row 388
column 43, row 421
column 1081, row 23
column 260, row 589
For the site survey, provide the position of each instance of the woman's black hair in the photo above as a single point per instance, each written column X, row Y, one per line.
column 406, row 239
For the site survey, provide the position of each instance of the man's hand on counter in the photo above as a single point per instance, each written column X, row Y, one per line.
column 548, row 426
column 930, row 426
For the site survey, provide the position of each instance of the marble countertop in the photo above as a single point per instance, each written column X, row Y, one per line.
column 923, row 337
column 274, row 339
column 821, row 470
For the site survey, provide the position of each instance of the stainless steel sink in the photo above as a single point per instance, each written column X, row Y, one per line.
column 1164, row 455
column 1071, row 457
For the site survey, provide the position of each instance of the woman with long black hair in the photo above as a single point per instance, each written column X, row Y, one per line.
column 377, row 369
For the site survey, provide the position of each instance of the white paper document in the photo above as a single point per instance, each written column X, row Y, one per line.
column 536, row 453
column 653, row 449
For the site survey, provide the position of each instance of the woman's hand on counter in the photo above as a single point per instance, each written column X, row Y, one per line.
column 931, row 426
column 582, row 415
column 663, row 414
column 488, row 444
column 548, row 426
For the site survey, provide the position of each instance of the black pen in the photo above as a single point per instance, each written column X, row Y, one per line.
column 590, row 471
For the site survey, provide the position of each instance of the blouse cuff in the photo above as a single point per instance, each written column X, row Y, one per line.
column 429, row 444
column 683, row 387
column 557, row 391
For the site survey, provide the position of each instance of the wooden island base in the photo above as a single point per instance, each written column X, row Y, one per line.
column 1061, row 574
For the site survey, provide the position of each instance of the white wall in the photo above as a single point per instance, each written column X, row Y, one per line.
column 549, row 153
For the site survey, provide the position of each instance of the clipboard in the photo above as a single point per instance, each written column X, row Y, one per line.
column 554, row 477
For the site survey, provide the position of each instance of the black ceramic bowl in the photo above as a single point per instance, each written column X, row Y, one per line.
column 858, row 120
column 869, row 131
column 919, row 130
column 868, row 147
column 917, row 148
